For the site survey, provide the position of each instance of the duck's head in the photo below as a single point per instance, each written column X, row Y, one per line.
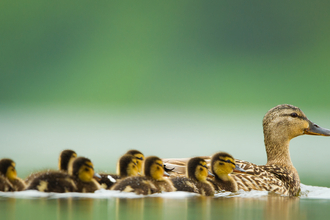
column 223, row 164
column 66, row 157
column 7, row 169
column 288, row 121
column 197, row 169
column 154, row 168
column 83, row 169
column 139, row 158
column 127, row 166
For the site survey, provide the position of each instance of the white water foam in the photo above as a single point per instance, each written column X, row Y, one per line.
column 307, row 192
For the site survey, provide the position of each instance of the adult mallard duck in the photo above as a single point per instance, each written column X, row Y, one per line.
column 9, row 180
column 280, row 125
column 152, row 181
column 195, row 179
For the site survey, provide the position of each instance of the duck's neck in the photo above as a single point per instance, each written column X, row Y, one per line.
column 277, row 148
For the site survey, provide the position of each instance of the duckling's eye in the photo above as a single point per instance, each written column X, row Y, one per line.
column 294, row 115
column 86, row 169
column 201, row 169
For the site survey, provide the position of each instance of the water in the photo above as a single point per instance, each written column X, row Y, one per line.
column 105, row 204
column 35, row 137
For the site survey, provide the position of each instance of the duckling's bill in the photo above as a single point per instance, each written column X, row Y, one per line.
column 210, row 174
column 97, row 175
column 239, row 169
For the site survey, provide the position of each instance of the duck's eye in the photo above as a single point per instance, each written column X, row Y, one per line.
column 201, row 169
column 86, row 169
column 294, row 115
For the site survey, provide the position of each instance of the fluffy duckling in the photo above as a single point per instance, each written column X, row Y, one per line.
column 65, row 159
column 139, row 158
column 82, row 170
column 9, row 180
column 126, row 166
column 79, row 179
column 152, row 181
column 222, row 164
column 195, row 180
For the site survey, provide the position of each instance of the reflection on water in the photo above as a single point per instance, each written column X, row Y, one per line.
column 265, row 207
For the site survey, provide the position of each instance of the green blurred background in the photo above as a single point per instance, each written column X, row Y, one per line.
column 172, row 78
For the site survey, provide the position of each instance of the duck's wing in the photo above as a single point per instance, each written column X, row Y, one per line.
column 273, row 178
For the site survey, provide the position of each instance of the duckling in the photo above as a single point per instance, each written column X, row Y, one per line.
column 82, row 171
column 79, row 179
column 126, row 166
column 222, row 164
column 9, row 174
column 280, row 125
column 65, row 159
column 139, row 158
column 195, row 181
column 152, row 181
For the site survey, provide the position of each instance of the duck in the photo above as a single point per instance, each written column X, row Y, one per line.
column 65, row 159
column 152, row 181
column 127, row 166
column 222, row 165
column 280, row 124
column 82, row 170
column 139, row 158
column 78, row 179
column 9, row 180
column 195, row 179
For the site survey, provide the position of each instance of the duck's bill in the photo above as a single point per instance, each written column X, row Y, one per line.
column 97, row 175
column 166, row 173
column 211, row 174
column 314, row 129
column 238, row 169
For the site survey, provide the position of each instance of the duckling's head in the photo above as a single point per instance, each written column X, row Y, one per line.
column 7, row 169
column 154, row 168
column 127, row 166
column 287, row 121
column 66, row 157
column 83, row 169
column 222, row 164
column 197, row 169
column 139, row 158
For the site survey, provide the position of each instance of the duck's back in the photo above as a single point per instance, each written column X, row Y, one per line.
column 108, row 180
column 53, row 181
column 143, row 185
column 273, row 178
column 184, row 184
column 138, row 184
column 87, row 187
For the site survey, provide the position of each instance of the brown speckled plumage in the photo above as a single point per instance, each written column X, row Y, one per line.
column 280, row 125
